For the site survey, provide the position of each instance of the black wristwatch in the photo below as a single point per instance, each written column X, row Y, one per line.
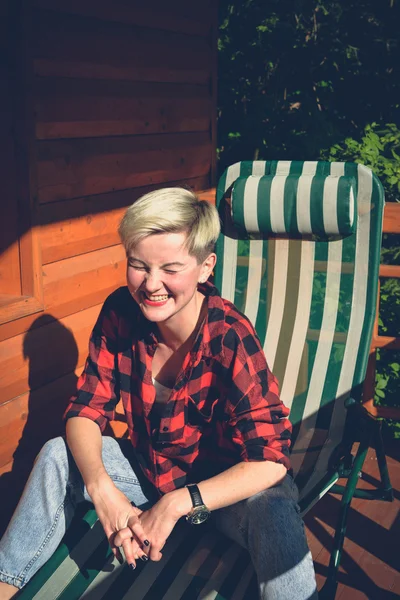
column 199, row 513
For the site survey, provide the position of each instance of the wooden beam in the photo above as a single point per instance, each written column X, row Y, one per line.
column 391, row 217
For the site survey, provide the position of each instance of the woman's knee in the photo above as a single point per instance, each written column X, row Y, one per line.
column 54, row 452
column 278, row 502
column 273, row 517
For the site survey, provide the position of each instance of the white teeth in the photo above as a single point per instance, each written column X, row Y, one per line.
column 157, row 298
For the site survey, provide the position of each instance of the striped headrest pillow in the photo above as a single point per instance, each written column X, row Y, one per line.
column 295, row 205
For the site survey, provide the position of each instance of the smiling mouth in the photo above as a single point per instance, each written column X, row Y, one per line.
column 156, row 299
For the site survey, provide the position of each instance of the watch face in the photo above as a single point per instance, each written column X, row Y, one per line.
column 199, row 517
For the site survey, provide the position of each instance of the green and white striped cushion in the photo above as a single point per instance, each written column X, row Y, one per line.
column 294, row 204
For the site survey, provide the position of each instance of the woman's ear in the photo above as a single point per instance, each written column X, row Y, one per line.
column 207, row 267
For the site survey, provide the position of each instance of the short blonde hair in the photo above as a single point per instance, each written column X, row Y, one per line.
column 172, row 210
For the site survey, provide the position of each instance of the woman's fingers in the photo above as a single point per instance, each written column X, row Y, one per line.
column 133, row 541
column 130, row 541
column 121, row 546
column 118, row 555
column 114, row 548
column 156, row 555
column 131, row 547
column 121, row 536
column 124, row 540
column 155, row 551
column 137, row 529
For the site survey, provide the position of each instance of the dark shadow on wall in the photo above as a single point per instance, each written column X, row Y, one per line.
column 52, row 353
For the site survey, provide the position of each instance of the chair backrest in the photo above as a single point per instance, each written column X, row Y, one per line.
column 299, row 254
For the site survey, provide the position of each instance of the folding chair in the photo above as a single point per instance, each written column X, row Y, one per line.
column 299, row 254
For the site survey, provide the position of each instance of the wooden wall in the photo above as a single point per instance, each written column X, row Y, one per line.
column 121, row 99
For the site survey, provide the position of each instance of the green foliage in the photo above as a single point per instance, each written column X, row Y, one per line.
column 298, row 76
column 379, row 149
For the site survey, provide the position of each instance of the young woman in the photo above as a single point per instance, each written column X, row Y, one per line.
column 208, row 432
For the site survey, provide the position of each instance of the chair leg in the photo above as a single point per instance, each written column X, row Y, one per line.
column 329, row 589
column 387, row 491
column 384, row 490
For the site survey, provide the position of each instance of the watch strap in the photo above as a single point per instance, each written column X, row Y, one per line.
column 194, row 492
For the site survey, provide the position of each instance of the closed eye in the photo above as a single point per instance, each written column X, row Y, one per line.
column 137, row 267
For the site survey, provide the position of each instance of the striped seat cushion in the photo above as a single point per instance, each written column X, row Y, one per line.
column 295, row 205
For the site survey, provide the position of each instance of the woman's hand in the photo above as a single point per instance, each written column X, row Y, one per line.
column 158, row 523
column 160, row 520
column 120, row 520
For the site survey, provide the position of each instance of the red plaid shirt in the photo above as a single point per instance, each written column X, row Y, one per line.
column 225, row 405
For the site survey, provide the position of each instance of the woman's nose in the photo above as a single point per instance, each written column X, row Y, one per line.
column 152, row 282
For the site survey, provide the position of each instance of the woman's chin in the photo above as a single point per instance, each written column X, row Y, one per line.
column 156, row 314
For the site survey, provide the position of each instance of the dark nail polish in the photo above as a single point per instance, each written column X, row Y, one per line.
column 146, row 543
column 144, row 558
column 132, row 566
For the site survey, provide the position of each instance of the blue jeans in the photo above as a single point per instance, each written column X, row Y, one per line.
column 278, row 549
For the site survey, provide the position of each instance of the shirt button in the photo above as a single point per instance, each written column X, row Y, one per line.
column 165, row 428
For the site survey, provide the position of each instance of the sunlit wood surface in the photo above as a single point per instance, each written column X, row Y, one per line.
column 371, row 558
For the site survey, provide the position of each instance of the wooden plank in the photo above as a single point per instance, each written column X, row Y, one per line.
column 391, row 218
column 64, row 238
column 47, row 352
column 387, row 342
column 208, row 195
column 31, row 263
column 116, row 51
column 389, row 271
column 46, row 67
column 90, row 205
column 17, row 307
column 10, row 276
column 185, row 17
column 61, row 36
column 73, row 108
column 80, row 276
column 74, row 168
column 92, row 298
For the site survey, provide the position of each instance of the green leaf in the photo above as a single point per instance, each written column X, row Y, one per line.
column 381, row 383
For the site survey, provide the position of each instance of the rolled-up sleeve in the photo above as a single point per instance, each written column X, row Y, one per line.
column 258, row 420
column 97, row 388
